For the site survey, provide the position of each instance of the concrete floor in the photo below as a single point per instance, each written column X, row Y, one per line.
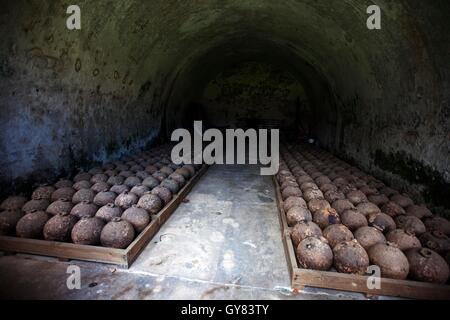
column 224, row 243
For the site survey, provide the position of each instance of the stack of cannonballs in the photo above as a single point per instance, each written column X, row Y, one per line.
column 346, row 220
column 108, row 205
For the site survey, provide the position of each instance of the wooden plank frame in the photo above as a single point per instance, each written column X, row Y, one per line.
column 301, row 278
column 122, row 257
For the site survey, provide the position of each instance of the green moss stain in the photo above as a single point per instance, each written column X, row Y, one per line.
column 437, row 189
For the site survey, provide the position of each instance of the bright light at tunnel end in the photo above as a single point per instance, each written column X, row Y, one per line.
column 237, row 142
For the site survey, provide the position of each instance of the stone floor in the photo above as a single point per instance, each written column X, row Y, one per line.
column 224, row 243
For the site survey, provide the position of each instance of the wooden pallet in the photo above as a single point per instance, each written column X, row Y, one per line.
column 122, row 257
column 301, row 278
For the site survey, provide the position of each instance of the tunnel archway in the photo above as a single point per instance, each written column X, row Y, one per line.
column 193, row 79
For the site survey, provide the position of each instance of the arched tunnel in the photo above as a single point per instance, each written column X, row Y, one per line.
column 377, row 99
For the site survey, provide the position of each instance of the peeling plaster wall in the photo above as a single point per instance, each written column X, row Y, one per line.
column 68, row 98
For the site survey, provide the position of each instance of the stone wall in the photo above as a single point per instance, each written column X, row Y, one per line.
column 252, row 94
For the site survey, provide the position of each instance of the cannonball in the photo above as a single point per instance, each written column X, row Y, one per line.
column 353, row 219
column 314, row 253
column 350, row 257
column 369, row 236
column 83, row 184
column 390, row 259
column 83, row 195
column 304, row 230
column 8, row 221
column 150, row 202
column 59, row 227
column 13, row 203
column 138, row 217
column 104, row 197
column 126, row 199
column 427, row 266
column 59, row 206
column 337, row 233
column 162, row 193
column 109, row 212
column 87, row 231
column 84, row 209
column 43, row 192
column 117, row 233
column 31, row 225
